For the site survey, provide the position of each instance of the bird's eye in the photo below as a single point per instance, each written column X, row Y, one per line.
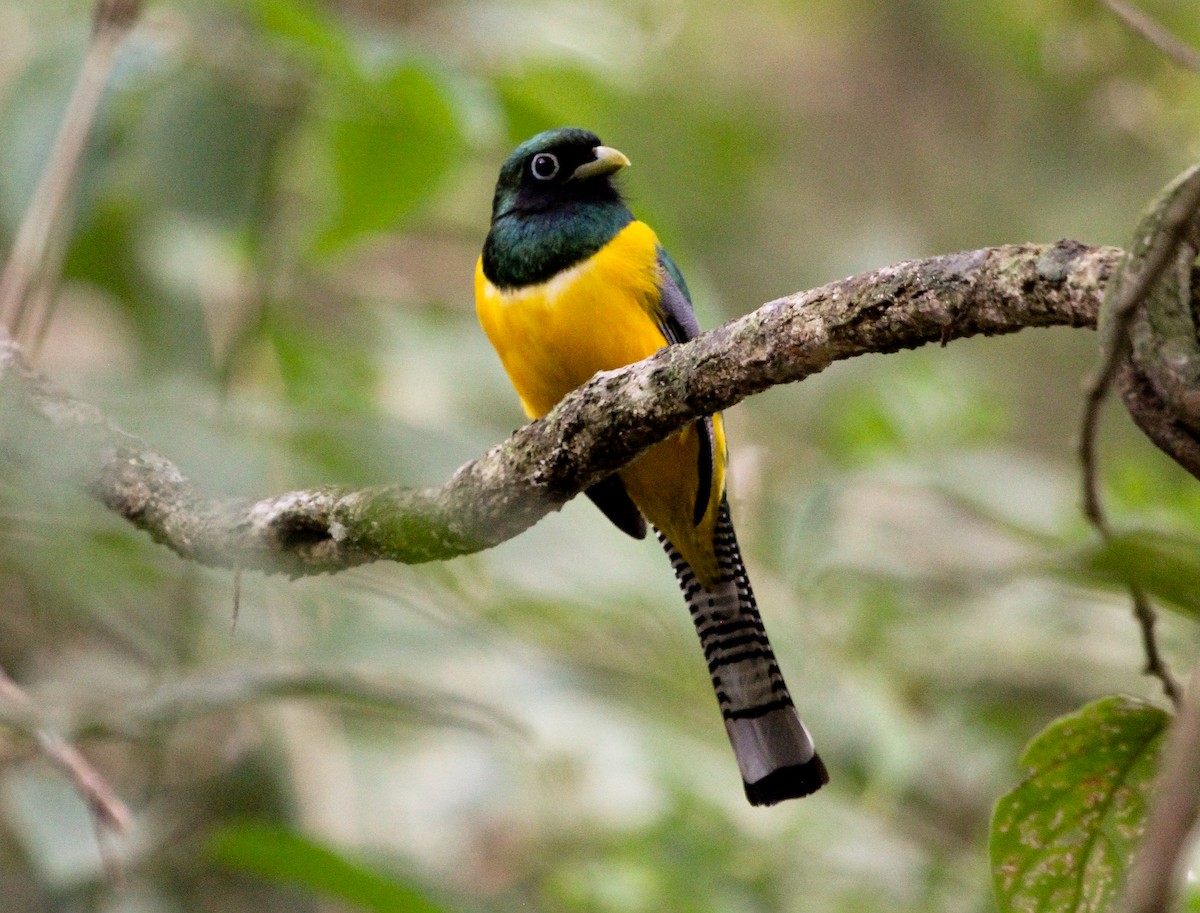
column 544, row 166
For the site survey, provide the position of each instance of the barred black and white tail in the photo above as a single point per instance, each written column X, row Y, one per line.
column 774, row 751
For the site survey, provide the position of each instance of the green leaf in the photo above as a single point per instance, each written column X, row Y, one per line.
column 328, row 370
column 283, row 856
column 1063, row 839
column 539, row 97
column 103, row 252
column 306, row 30
column 392, row 138
column 208, row 145
column 1165, row 565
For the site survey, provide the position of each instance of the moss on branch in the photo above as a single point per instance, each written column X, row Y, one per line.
column 597, row 429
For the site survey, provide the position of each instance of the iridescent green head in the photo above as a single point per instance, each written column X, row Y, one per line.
column 555, row 205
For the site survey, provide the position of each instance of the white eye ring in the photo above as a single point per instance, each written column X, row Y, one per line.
column 544, row 166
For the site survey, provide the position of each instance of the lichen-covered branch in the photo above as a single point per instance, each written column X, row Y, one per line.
column 597, row 429
column 1149, row 350
column 1155, row 357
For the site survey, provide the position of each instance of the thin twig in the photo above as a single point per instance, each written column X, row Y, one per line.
column 102, row 801
column 34, row 263
column 1153, row 878
column 10, row 691
column 1156, row 33
column 1156, row 665
column 1114, row 345
column 1171, row 229
column 237, row 597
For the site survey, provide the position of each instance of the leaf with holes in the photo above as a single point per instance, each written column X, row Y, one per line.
column 1061, row 842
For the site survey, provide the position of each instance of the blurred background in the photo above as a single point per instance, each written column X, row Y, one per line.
column 269, row 279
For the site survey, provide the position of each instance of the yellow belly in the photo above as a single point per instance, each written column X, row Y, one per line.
column 600, row 315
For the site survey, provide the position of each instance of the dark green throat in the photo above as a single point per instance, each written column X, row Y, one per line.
column 528, row 248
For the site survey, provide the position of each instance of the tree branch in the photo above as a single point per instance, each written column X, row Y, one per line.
column 1147, row 327
column 105, row 806
column 1157, row 34
column 594, row 431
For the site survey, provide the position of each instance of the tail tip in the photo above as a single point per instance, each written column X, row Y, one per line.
column 791, row 782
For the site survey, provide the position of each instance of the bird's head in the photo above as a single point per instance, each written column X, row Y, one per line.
column 563, row 166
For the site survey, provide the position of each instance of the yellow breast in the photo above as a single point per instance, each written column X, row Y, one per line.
column 598, row 315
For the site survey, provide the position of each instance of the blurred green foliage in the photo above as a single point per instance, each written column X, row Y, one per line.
column 269, row 277
column 1165, row 565
column 291, row 859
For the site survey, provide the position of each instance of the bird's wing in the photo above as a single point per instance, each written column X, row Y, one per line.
column 679, row 324
column 610, row 496
column 678, row 321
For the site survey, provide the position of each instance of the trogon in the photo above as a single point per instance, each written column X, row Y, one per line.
column 570, row 283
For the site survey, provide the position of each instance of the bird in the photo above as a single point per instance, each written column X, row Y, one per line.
column 570, row 283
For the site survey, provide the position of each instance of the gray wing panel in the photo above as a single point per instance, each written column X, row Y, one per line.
column 679, row 324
